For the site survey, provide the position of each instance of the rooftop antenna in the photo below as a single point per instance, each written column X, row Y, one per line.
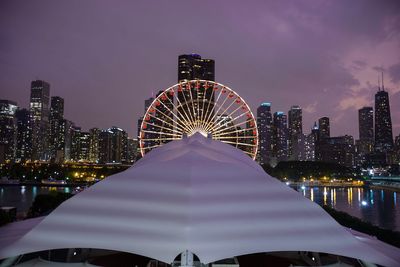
column 383, row 86
column 379, row 83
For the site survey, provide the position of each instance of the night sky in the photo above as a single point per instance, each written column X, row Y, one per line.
column 106, row 57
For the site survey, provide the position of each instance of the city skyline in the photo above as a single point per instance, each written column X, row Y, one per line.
column 292, row 56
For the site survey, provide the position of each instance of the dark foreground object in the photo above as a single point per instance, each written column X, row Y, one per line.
column 387, row 236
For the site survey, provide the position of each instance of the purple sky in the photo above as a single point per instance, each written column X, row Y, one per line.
column 105, row 57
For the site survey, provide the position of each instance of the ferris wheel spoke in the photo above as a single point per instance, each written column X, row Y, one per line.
column 186, row 102
column 228, row 116
column 211, row 120
column 235, row 131
column 192, row 104
column 238, row 143
column 180, row 106
column 203, row 114
column 217, row 129
column 163, row 121
column 150, row 147
column 179, row 114
column 160, row 139
column 169, row 130
column 158, row 133
column 211, row 113
column 187, row 126
column 233, row 125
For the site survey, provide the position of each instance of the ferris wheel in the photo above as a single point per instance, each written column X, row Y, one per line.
column 207, row 107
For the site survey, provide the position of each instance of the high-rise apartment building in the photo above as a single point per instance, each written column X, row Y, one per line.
column 69, row 127
column 8, row 130
column 192, row 67
column 295, row 130
column 57, row 130
column 280, row 141
column 24, row 135
column 39, row 108
column 324, row 128
column 265, row 133
column 339, row 150
column 84, row 147
column 94, row 145
column 383, row 122
column 113, row 145
column 366, row 130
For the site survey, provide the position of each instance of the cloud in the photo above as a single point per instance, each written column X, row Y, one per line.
column 394, row 73
column 359, row 65
column 311, row 108
column 379, row 69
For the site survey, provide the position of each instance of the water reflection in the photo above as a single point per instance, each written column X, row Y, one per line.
column 379, row 207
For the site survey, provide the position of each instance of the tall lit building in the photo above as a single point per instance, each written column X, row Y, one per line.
column 280, row 141
column 94, row 145
column 149, row 125
column 39, row 107
column 192, row 67
column 265, row 133
column 69, row 127
column 366, row 130
column 113, row 145
column 338, row 150
column 24, row 135
column 57, row 131
column 295, row 130
column 383, row 122
column 84, row 146
column 75, row 133
column 8, row 130
column 133, row 145
column 324, row 128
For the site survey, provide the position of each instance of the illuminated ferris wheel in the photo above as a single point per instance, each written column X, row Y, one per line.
column 207, row 107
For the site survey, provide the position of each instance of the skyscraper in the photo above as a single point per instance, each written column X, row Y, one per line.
column 39, row 107
column 8, row 130
column 383, row 121
column 338, row 150
column 280, row 143
column 94, row 145
column 295, row 130
column 366, row 130
column 57, row 131
column 24, row 135
column 192, row 67
column 324, row 128
column 264, row 125
column 113, row 146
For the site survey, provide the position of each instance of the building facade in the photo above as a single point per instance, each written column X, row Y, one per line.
column 40, row 109
column 265, row 133
column 280, row 140
column 8, row 131
column 192, row 67
column 295, row 130
column 57, row 130
column 24, row 135
column 383, row 122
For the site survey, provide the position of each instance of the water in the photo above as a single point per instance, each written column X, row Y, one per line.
column 379, row 207
column 22, row 196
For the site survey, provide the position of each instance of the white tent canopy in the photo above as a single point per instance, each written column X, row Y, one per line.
column 200, row 195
